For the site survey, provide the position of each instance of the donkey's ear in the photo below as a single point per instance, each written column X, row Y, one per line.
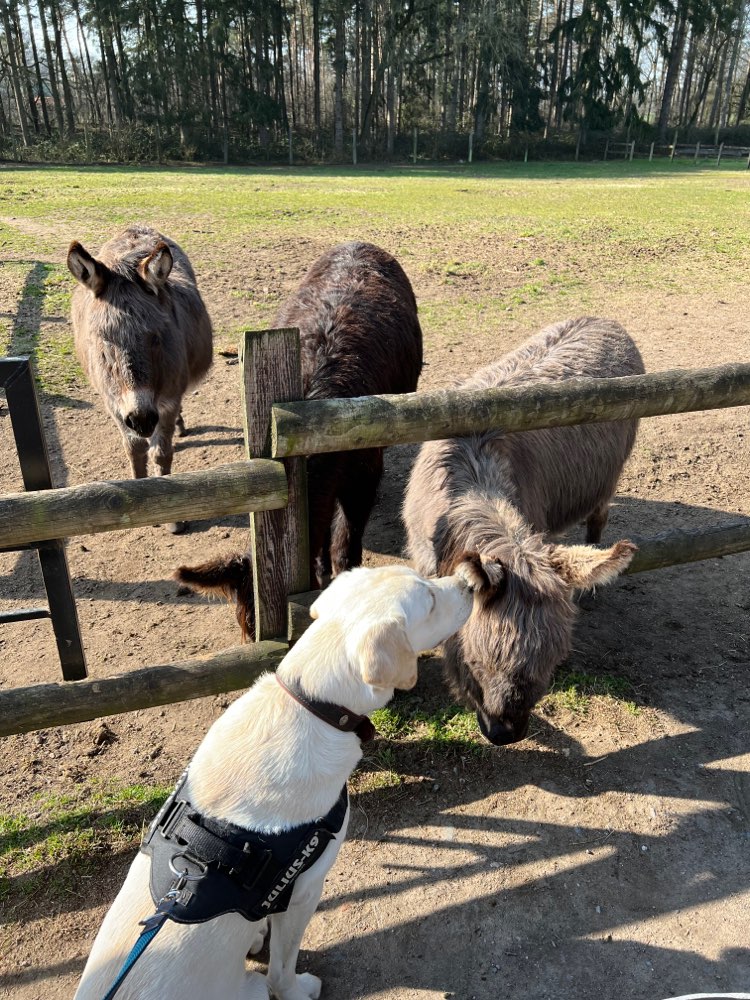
column 87, row 269
column 156, row 268
column 584, row 566
column 385, row 657
column 482, row 574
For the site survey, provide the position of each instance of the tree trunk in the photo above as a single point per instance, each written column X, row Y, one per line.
column 339, row 67
column 38, row 71
column 15, row 77
column 25, row 71
column 92, row 79
column 673, row 71
column 316, row 69
column 67, row 92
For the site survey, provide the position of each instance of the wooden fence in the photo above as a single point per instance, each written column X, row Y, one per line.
column 279, row 431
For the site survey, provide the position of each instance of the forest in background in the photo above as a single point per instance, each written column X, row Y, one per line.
column 235, row 80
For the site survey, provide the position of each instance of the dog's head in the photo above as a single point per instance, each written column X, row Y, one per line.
column 388, row 615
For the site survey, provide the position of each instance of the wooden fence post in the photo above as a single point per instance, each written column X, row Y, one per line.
column 674, row 145
column 697, row 151
column 606, row 150
column 291, row 151
column 271, row 372
column 718, row 158
column 414, row 145
column 471, row 145
column 354, row 147
column 651, row 153
column 632, row 149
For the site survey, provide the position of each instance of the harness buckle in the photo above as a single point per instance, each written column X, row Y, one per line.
column 172, row 817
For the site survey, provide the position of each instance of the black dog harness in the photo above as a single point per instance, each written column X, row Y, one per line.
column 202, row 868
column 226, row 869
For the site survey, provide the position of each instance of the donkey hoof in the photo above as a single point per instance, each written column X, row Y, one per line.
column 177, row 527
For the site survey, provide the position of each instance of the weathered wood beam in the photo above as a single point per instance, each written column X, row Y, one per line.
column 672, row 548
column 40, row 706
column 313, row 426
column 111, row 506
column 279, row 542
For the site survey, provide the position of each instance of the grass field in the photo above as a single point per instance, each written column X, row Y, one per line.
column 531, row 238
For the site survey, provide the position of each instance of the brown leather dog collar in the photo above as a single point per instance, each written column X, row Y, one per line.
column 335, row 715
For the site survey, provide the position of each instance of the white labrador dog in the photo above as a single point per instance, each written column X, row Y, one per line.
column 272, row 764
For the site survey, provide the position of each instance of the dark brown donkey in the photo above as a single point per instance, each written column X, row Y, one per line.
column 357, row 317
column 143, row 336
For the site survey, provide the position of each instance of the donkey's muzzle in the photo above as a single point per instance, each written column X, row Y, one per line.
column 500, row 730
column 142, row 422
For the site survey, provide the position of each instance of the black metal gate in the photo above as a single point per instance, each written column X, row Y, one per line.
column 17, row 379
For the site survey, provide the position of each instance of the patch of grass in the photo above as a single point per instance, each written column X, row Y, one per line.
column 40, row 327
column 57, row 367
column 573, row 690
column 447, row 728
column 63, row 837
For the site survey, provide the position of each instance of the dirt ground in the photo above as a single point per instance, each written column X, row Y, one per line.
column 605, row 856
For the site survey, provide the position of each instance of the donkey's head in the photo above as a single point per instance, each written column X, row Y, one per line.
column 128, row 323
column 502, row 661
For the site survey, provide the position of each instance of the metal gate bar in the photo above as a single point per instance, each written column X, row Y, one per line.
column 17, row 380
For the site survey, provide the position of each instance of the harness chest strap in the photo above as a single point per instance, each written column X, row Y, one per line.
column 229, row 869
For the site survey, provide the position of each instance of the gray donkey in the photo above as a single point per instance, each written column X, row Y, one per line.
column 143, row 336
column 499, row 494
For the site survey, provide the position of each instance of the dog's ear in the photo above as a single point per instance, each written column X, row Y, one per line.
column 385, row 657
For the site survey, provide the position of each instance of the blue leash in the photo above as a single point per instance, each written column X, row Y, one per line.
column 151, row 927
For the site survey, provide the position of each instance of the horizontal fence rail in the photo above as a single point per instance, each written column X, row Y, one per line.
column 236, row 488
column 313, row 426
column 678, row 546
column 40, row 706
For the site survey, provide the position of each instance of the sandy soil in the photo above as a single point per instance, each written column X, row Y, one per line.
column 604, row 857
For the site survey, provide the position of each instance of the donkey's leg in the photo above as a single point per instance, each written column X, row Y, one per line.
column 161, row 451
column 180, row 424
column 596, row 522
column 322, row 480
column 358, row 487
column 137, row 451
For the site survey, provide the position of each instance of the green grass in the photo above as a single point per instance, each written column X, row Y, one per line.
column 39, row 324
column 61, row 839
column 574, row 689
column 648, row 207
column 445, row 728
column 482, row 242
